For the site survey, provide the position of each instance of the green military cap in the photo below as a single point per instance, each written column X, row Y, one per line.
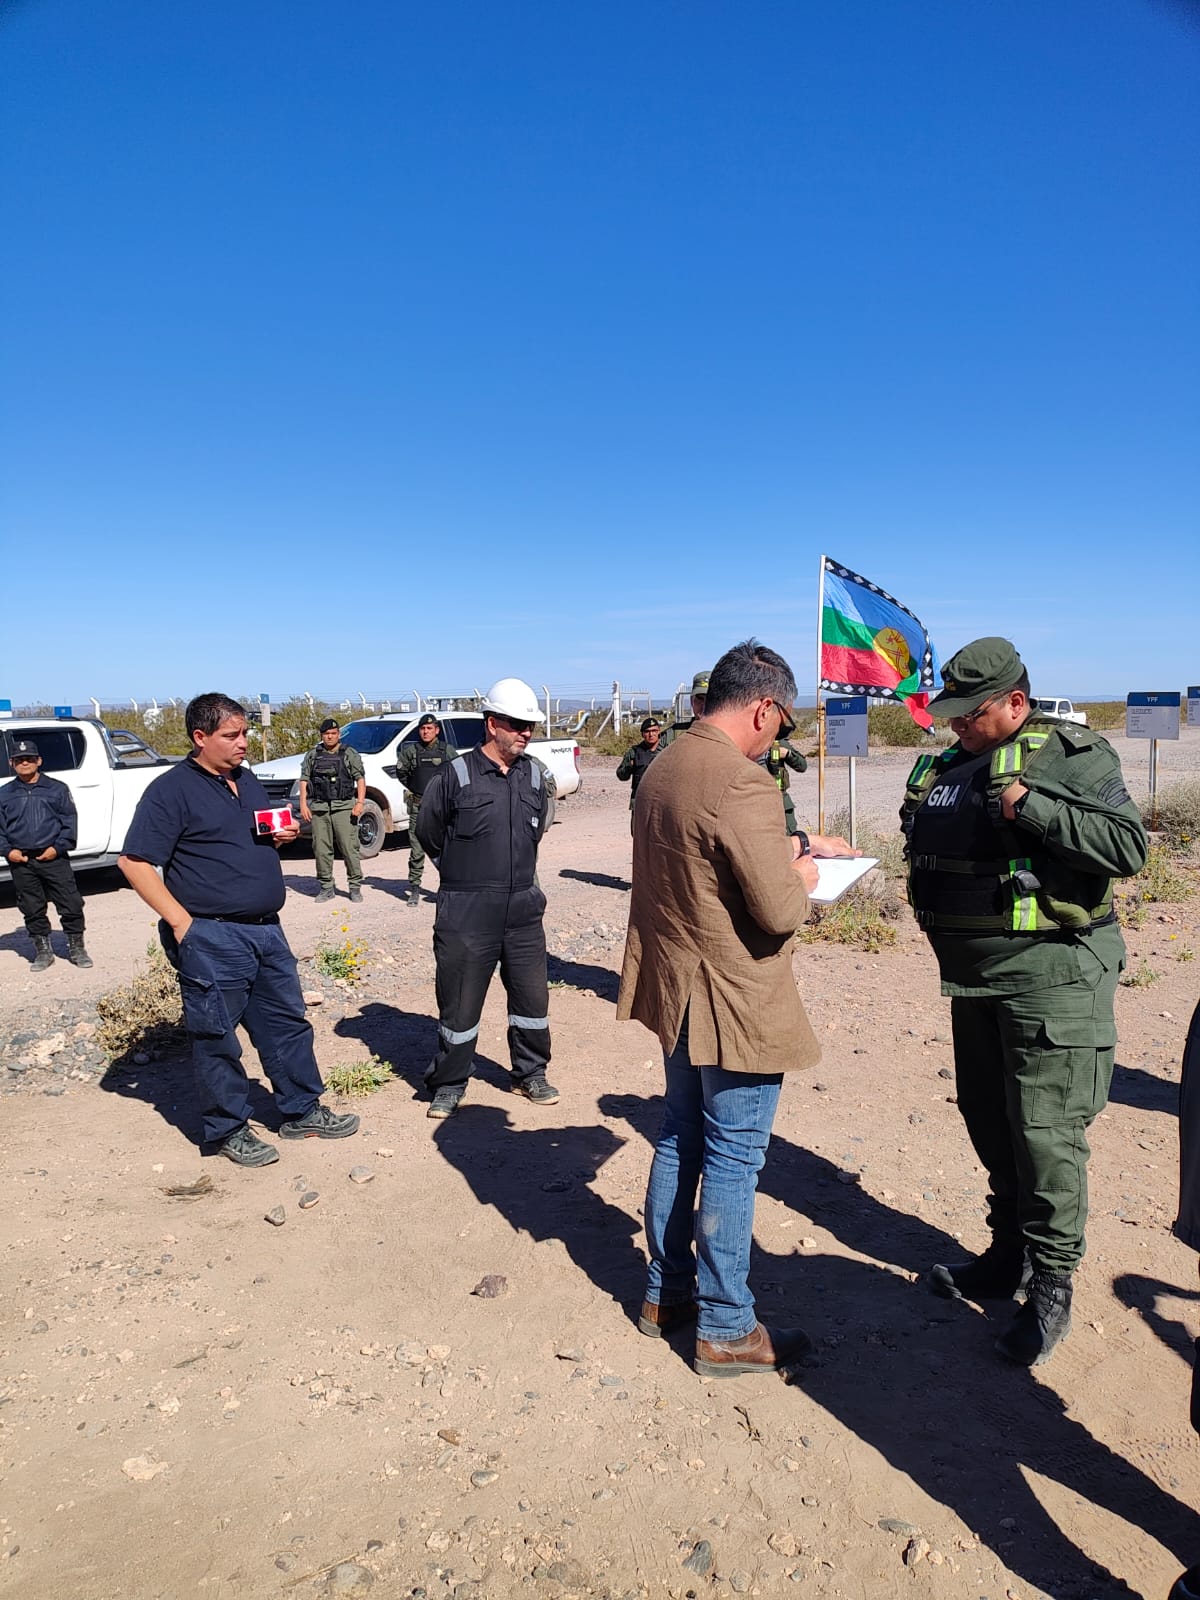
column 979, row 670
column 700, row 683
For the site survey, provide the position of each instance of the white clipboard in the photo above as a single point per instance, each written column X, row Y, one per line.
column 836, row 874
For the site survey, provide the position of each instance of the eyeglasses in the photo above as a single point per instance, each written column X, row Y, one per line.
column 787, row 723
column 974, row 716
column 516, row 724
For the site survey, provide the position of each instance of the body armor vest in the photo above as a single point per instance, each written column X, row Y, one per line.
column 330, row 778
column 970, row 871
column 777, row 766
column 430, row 760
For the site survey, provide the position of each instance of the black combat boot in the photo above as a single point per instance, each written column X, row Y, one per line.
column 995, row 1275
column 76, row 954
column 43, row 956
column 414, row 895
column 1042, row 1322
column 1186, row 1585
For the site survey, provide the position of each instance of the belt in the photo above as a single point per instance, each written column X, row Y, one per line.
column 270, row 920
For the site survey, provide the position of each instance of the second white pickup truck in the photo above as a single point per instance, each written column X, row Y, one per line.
column 378, row 741
column 1048, row 706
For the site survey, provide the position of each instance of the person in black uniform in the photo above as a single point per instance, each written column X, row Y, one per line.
column 38, row 826
column 638, row 757
column 219, row 899
column 481, row 819
column 418, row 765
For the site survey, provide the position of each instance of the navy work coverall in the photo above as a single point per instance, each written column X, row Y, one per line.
column 482, row 827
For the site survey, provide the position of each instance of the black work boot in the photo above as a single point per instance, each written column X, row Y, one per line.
column 1186, row 1585
column 76, row 954
column 995, row 1275
column 1042, row 1322
column 43, row 956
column 414, row 894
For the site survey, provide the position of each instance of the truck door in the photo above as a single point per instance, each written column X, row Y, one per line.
column 82, row 764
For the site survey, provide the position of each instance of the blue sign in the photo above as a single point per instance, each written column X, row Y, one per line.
column 854, row 706
column 1165, row 699
column 64, row 711
column 264, row 699
column 6, row 707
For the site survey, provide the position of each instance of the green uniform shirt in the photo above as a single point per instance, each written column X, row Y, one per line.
column 1079, row 811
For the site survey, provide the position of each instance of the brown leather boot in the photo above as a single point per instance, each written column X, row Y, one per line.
column 763, row 1350
column 657, row 1321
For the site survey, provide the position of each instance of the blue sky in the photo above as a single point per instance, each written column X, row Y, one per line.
column 380, row 345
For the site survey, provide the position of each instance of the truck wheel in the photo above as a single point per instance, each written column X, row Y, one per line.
column 551, row 810
column 372, row 830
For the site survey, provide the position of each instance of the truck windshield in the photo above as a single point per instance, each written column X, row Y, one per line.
column 369, row 738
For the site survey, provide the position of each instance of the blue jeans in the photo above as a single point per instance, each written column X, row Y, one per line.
column 715, row 1132
column 233, row 972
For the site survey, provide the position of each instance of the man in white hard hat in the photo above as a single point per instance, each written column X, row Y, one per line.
column 481, row 819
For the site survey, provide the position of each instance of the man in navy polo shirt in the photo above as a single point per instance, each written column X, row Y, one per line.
column 219, row 899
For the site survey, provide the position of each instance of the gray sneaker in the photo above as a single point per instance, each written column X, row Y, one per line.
column 326, row 893
column 444, row 1104
column 247, row 1149
column 537, row 1089
column 320, row 1123
column 356, row 894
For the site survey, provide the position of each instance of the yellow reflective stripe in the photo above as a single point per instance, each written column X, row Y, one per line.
column 1024, row 914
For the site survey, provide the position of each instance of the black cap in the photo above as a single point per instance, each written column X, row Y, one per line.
column 23, row 747
column 981, row 669
column 650, row 722
column 429, row 721
column 330, row 722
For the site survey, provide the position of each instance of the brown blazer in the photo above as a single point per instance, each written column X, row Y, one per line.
column 715, row 904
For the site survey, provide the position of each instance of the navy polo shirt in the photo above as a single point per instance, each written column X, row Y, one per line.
column 192, row 825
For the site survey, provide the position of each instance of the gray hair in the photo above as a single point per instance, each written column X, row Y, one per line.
column 749, row 672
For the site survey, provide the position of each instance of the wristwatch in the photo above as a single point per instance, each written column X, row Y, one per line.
column 805, row 846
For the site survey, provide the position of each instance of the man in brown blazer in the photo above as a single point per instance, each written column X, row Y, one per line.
column 718, row 891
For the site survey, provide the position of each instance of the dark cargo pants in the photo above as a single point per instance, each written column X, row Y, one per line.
column 472, row 931
column 35, row 883
column 232, row 972
column 1033, row 1071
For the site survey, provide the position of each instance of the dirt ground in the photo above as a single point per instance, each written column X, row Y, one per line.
column 195, row 1402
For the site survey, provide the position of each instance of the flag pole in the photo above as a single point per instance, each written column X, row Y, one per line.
column 820, row 707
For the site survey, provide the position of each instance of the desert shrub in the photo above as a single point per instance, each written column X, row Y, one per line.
column 1139, row 977
column 857, row 922
column 359, row 1077
column 1162, row 878
column 887, row 845
column 145, row 1013
column 892, row 725
column 1177, row 814
column 1103, row 715
column 342, row 958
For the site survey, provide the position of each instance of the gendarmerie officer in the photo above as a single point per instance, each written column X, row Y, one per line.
column 777, row 760
column 38, row 826
column 1014, row 836
column 219, row 899
column 333, row 786
column 481, row 819
column 418, row 765
column 637, row 759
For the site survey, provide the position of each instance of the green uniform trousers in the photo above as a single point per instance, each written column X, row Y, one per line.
column 1033, row 1070
column 416, row 853
column 330, row 827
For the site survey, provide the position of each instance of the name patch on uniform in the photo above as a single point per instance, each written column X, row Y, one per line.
column 945, row 795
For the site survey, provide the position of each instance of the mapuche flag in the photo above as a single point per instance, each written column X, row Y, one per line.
column 872, row 645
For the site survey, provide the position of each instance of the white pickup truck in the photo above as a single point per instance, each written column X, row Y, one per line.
column 378, row 741
column 106, row 778
column 1048, row 706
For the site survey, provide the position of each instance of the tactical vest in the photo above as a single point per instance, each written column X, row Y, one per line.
column 969, row 869
column 330, row 778
column 430, row 760
column 777, row 766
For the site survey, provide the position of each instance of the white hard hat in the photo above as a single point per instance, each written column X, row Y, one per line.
column 511, row 697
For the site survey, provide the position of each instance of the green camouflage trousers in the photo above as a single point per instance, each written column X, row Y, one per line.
column 1033, row 1071
column 328, row 828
